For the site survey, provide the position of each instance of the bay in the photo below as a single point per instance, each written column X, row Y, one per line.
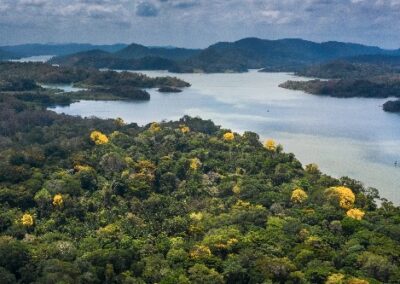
column 345, row 137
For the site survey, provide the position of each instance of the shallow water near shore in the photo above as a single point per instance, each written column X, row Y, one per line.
column 345, row 137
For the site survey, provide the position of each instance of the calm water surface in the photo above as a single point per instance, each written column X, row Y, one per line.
column 69, row 88
column 352, row 137
column 39, row 58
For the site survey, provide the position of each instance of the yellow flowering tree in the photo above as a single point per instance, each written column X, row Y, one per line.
column 98, row 138
column 27, row 220
column 58, row 200
column 196, row 216
column 184, row 129
column 344, row 195
column 195, row 164
column 229, row 136
column 357, row 281
column 81, row 168
column 298, row 196
column 145, row 170
column 154, row 127
column 336, row 278
column 270, row 145
column 200, row 251
column 236, row 189
column 355, row 213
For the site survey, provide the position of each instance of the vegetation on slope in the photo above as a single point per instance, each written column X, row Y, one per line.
column 363, row 76
column 392, row 106
column 136, row 51
column 101, row 201
column 348, row 88
column 22, row 80
column 100, row 59
column 357, row 67
column 27, row 50
column 5, row 55
column 238, row 56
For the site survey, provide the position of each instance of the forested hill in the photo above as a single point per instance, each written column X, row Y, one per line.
column 275, row 55
column 101, row 59
column 25, row 81
column 27, row 50
column 6, row 55
column 368, row 76
column 136, row 51
column 357, row 67
column 101, row 201
column 238, row 56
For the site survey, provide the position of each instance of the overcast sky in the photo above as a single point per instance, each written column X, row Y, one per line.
column 198, row 23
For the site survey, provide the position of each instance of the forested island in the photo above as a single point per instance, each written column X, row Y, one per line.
column 392, row 106
column 25, row 82
column 102, row 201
column 366, row 76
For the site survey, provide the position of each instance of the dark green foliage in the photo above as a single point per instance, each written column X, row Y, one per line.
column 135, row 211
column 239, row 56
column 368, row 76
column 169, row 90
column 21, row 80
column 392, row 106
column 348, row 88
column 36, row 49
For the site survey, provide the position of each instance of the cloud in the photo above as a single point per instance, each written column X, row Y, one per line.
column 199, row 22
column 182, row 4
column 33, row 3
column 146, row 9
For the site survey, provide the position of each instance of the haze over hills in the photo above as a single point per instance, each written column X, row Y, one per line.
column 101, row 59
column 354, row 67
column 135, row 51
column 26, row 50
column 6, row 55
column 367, row 76
column 238, row 56
column 278, row 54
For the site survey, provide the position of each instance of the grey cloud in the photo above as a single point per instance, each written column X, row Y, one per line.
column 199, row 22
column 146, row 9
column 181, row 4
column 33, row 3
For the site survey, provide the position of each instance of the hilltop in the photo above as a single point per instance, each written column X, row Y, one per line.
column 5, row 55
column 368, row 76
column 97, row 201
column 238, row 56
column 136, row 51
column 27, row 50
column 24, row 81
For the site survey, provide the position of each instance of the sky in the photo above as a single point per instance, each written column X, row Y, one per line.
column 198, row 23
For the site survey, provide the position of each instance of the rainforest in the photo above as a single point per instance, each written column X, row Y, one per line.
column 102, row 201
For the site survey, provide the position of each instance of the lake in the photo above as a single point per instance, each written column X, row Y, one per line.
column 38, row 58
column 345, row 137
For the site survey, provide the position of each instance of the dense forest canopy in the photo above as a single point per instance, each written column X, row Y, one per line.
column 238, row 56
column 369, row 76
column 25, row 82
column 101, row 201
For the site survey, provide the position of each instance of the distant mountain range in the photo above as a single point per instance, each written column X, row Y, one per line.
column 277, row 55
column 6, row 55
column 136, row 51
column 27, row 50
column 356, row 67
column 238, row 56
